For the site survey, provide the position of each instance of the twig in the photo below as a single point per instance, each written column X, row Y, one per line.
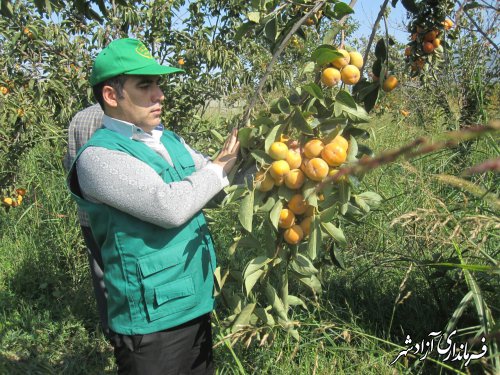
column 278, row 52
column 479, row 29
column 372, row 36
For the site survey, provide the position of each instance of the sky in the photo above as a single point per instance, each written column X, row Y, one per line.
column 366, row 12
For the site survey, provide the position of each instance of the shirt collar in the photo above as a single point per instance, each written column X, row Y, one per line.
column 131, row 131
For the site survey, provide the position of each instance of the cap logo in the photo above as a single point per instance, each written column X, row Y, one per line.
column 143, row 51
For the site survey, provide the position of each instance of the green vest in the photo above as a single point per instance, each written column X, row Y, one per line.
column 156, row 278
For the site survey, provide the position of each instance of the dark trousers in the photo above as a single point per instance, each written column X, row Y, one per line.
column 182, row 350
column 96, row 271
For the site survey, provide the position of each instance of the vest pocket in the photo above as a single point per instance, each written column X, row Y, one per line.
column 170, row 298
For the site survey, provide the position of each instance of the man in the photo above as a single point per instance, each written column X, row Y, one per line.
column 81, row 128
column 143, row 189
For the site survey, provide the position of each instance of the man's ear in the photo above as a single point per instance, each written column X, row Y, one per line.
column 110, row 97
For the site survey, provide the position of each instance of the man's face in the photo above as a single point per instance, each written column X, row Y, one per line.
column 141, row 102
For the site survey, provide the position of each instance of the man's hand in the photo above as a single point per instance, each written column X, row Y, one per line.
column 227, row 157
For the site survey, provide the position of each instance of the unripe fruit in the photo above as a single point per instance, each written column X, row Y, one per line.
column 316, row 169
column 278, row 151
column 436, row 42
column 330, row 77
column 293, row 159
column 279, row 168
column 350, row 75
column 4, row 90
column 340, row 62
column 293, row 235
column 334, row 154
column 313, row 148
column 287, row 218
column 390, row 83
column 297, row 204
column 295, row 179
column 356, row 59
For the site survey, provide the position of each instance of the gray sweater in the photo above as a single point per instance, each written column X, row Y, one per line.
column 127, row 184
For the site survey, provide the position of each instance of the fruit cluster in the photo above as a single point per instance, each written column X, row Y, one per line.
column 14, row 201
column 425, row 45
column 345, row 69
column 295, row 164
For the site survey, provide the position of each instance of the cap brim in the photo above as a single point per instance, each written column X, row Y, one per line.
column 154, row 70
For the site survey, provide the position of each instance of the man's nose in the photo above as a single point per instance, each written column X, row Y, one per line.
column 158, row 94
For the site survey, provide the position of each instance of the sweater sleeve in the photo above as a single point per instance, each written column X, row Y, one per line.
column 129, row 185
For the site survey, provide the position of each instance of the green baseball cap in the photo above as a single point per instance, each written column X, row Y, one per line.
column 126, row 56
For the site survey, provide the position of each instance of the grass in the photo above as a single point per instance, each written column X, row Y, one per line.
column 48, row 320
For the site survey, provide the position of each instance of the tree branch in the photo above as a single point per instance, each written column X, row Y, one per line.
column 279, row 51
column 372, row 36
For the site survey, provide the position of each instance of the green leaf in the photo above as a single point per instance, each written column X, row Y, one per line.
column 294, row 333
column 217, row 136
column 264, row 316
column 300, row 123
column 253, row 271
column 332, row 125
column 314, row 243
column 336, row 257
column 314, row 90
column 312, row 282
column 295, row 301
column 303, row 266
column 285, row 193
column 329, row 214
column 360, row 202
column 271, row 29
column 341, row 10
column 245, row 213
column 244, row 136
column 471, row 5
column 336, row 233
column 381, row 50
column 261, row 157
column 243, row 317
column 377, row 67
column 6, row 9
column 274, row 216
column 276, row 302
column 371, row 198
column 242, row 30
column 307, row 68
column 254, row 17
column 309, row 193
column 324, row 54
column 266, row 207
column 346, row 99
column 284, row 106
column 371, row 98
column 410, row 6
column 352, row 150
